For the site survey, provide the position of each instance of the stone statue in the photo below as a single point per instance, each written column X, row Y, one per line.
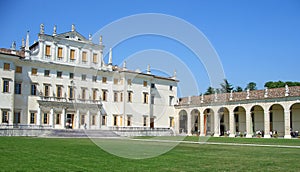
column 287, row 91
column 13, row 45
column 73, row 27
column 42, row 29
column 54, row 30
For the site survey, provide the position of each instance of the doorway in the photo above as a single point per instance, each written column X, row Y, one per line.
column 70, row 121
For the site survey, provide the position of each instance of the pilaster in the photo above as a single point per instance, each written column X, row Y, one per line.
column 287, row 126
column 267, row 123
column 201, row 124
column 231, row 124
column 248, row 124
column 38, row 116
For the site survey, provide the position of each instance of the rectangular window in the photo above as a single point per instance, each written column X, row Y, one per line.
column 145, row 121
column 45, row 119
column 152, row 85
column 94, row 78
column 115, row 96
column 32, row 118
column 83, row 92
column 145, row 98
column 104, row 79
column 48, row 52
column 6, row 66
column 46, row 72
column 128, row 120
column 103, row 120
column 84, row 57
column 72, row 54
column 46, row 90
column 71, row 75
column 33, row 89
column 71, row 92
column 95, row 58
column 145, row 84
column 18, row 87
column 128, row 81
column 121, row 97
column 57, row 119
column 60, row 52
column 17, row 118
column 5, row 86
column 59, row 91
column 116, row 81
column 94, row 94
column 171, row 88
column 83, row 77
column 33, row 71
column 59, row 74
column 104, row 95
column 93, row 119
column 82, row 120
column 129, row 96
column 19, row 69
column 4, row 116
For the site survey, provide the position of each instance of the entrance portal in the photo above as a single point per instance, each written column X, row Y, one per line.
column 70, row 121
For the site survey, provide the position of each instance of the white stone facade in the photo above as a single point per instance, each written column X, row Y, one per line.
column 61, row 81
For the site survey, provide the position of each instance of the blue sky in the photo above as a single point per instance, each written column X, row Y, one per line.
column 256, row 40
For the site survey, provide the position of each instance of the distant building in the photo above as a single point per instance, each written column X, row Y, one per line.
column 61, row 81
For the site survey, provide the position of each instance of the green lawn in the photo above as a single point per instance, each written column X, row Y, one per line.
column 49, row 154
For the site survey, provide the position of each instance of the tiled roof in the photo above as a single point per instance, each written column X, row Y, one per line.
column 11, row 52
column 240, row 96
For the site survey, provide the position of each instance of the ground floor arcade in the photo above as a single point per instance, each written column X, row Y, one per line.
column 241, row 119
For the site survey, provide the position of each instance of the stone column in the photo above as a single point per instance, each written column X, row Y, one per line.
column 201, row 124
column 231, row 124
column 38, row 117
column 248, row 124
column 189, row 124
column 77, row 120
column 287, row 124
column 267, row 123
column 10, row 117
column 88, row 121
column 63, row 118
column 51, row 118
column 216, row 124
column 98, row 122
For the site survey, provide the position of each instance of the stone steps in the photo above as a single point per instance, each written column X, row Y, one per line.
column 81, row 133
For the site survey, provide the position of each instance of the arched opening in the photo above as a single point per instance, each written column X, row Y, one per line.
column 208, row 121
column 240, row 120
column 182, row 121
column 295, row 119
column 224, row 120
column 257, row 119
column 277, row 119
column 195, row 121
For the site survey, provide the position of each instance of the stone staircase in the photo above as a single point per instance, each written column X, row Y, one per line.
column 81, row 133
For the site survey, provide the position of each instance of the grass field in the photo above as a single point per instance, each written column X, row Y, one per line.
column 61, row 154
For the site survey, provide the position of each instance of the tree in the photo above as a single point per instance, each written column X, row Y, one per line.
column 251, row 86
column 226, row 87
column 280, row 84
column 238, row 89
column 210, row 90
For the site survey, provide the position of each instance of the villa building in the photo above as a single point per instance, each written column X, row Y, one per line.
column 61, row 81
